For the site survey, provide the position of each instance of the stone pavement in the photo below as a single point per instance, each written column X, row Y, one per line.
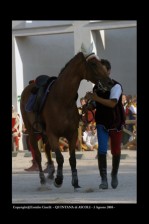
column 125, row 153
column 22, row 159
column 26, row 185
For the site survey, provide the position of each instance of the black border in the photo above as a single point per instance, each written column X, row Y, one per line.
column 142, row 116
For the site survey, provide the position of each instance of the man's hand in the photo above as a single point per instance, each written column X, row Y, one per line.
column 91, row 96
column 106, row 102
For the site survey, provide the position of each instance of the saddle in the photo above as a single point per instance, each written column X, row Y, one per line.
column 39, row 92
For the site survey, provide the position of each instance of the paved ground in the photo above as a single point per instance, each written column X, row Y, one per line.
column 26, row 185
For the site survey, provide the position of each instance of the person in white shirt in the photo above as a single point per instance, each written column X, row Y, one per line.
column 90, row 138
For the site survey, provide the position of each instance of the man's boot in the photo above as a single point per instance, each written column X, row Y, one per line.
column 115, row 166
column 102, row 165
column 34, row 167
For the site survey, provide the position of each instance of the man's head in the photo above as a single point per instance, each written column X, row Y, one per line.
column 107, row 66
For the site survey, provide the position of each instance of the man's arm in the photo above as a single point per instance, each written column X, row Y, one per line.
column 106, row 102
column 114, row 97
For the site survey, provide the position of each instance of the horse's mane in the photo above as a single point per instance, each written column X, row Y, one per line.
column 66, row 65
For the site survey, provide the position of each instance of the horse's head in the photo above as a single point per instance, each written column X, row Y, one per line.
column 95, row 70
column 97, row 74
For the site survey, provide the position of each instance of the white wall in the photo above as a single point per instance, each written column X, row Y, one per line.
column 47, row 54
column 121, row 50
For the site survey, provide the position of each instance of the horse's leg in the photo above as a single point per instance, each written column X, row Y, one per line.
column 33, row 141
column 72, row 160
column 54, row 142
column 51, row 168
column 60, row 160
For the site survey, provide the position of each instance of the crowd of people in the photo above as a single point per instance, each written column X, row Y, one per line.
column 130, row 108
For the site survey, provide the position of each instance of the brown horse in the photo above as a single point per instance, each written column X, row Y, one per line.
column 59, row 116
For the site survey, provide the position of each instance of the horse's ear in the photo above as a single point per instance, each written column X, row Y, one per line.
column 83, row 48
column 86, row 51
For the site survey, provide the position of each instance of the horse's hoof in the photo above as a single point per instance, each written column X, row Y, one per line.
column 42, row 178
column 57, row 185
column 50, row 177
column 43, row 182
column 77, row 186
column 58, row 181
column 76, row 189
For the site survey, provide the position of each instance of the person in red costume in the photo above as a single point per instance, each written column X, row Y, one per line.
column 34, row 166
column 15, row 128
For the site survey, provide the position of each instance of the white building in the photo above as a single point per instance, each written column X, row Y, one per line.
column 44, row 47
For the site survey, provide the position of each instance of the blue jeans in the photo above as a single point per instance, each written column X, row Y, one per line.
column 103, row 136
